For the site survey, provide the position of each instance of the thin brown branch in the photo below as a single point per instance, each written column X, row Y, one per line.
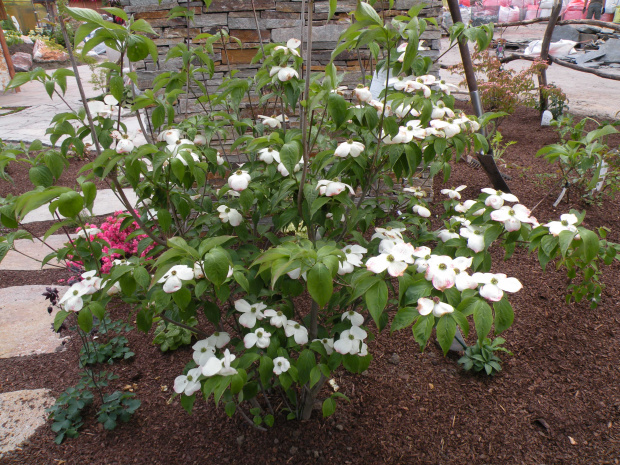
column 601, row 74
column 566, row 22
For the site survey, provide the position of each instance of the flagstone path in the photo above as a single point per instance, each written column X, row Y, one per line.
column 36, row 251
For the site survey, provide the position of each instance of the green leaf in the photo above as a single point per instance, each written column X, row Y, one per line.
column 590, row 244
column 97, row 310
column 329, row 404
column 305, row 363
column 70, row 204
column 337, row 107
column 216, row 264
column 320, row 284
column 483, row 319
column 60, row 317
column 41, row 176
column 504, row 315
column 85, row 320
column 89, row 190
column 116, row 12
column 117, row 87
column 404, row 317
column 182, row 297
column 446, row 329
column 265, row 369
column 289, row 155
column 142, row 26
column 422, row 330
column 376, row 299
column 187, row 402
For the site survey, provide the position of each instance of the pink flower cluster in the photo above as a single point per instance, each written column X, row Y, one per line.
column 117, row 239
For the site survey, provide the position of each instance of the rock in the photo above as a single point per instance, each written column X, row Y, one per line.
column 240, row 439
column 27, row 40
column 35, row 250
column 612, row 51
column 339, row 427
column 22, row 62
column 394, row 359
column 566, row 33
column 293, row 450
column 316, row 454
column 589, row 29
column 44, row 54
column 21, row 413
column 25, row 326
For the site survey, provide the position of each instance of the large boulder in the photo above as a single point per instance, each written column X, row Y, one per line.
column 43, row 54
column 22, row 62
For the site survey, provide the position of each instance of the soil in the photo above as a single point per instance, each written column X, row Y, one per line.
column 556, row 401
column 24, row 48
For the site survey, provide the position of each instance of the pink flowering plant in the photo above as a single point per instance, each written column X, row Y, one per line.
column 298, row 257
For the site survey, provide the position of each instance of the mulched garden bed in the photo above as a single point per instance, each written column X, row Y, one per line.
column 555, row 402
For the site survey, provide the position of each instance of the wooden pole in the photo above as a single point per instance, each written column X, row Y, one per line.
column 486, row 160
column 544, row 54
column 7, row 57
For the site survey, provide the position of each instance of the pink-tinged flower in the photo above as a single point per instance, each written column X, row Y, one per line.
column 378, row 105
column 277, row 318
column 273, row 121
column 474, row 236
column 125, row 143
column 72, row 300
column 332, row 188
column 422, row 211
column 215, row 366
column 406, row 110
column 284, row 74
column 251, row 312
column 494, row 285
column 219, row 339
column 229, row 215
column 446, row 234
column 466, row 124
column 174, row 276
column 463, row 279
column 512, row 217
column 280, row 365
column 453, row 193
column 291, row 47
column 203, row 351
column 200, row 139
column 363, row 94
column 284, row 172
column 350, row 341
column 269, row 155
column 170, row 136
column 567, row 223
column 416, row 191
column 239, row 180
column 349, row 147
column 497, row 198
column 297, row 331
column 466, row 206
column 426, row 306
column 91, row 282
column 426, row 79
column 440, row 272
column 422, row 255
column 355, row 318
column 259, row 338
column 353, row 257
column 188, row 384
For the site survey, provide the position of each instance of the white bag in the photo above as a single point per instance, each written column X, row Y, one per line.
column 504, row 14
column 610, row 6
column 560, row 48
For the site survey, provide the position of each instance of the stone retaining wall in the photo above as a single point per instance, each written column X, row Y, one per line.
column 278, row 20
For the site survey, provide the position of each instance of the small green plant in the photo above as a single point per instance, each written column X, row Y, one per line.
column 481, row 356
column 171, row 337
column 13, row 38
column 66, row 413
column 497, row 145
column 114, row 348
column 118, row 406
column 557, row 101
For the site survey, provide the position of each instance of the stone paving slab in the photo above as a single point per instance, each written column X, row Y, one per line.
column 35, row 249
column 21, row 413
column 25, row 325
column 106, row 202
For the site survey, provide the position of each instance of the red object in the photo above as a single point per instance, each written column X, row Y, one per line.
column 465, row 3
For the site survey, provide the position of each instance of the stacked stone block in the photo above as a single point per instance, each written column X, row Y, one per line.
column 278, row 21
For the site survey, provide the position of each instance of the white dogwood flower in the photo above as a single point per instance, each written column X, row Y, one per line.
column 273, row 121
column 463, row 280
column 350, row 341
column 269, row 155
column 188, row 384
column 567, row 223
column 280, row 365
column 440, row 110
column 276, row 318
column 328, row 344
column 291, row 46
column 332, row 188
column 395, row 260
column 474, row 236
column 91, row 282
column 239, row 180
column 215, row 366
column 203, row 351
column 349, row 147
column 426, row 306
column 72, row 300
column 440, row 272
column 445, row 87
column 422, row 211
column 353, row 257
column 453, row 193
column 299, row 333
column 219, row 339
column 251, row 312
column 259, row 338
column 284, row 73
column 497, row 198
column 363, row 94
column 512, row 217
column 230, row 215
column 494, row 285
column 355, row 318
column 174, row 276
column 422, row 255
column 88, row 232
column 388, row 233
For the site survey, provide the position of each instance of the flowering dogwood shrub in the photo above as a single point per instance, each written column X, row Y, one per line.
column 319, row 241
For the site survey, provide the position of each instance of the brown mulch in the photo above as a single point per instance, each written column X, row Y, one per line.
column 555, row 402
